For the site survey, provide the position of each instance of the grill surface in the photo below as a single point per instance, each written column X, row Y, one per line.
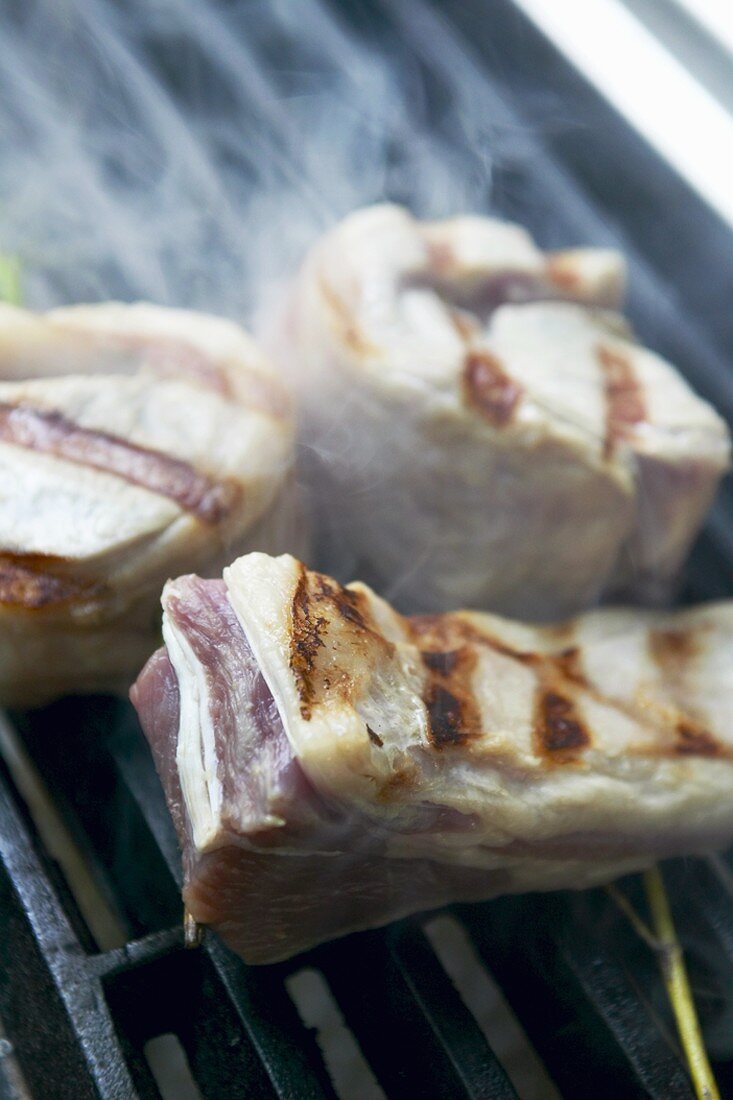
column 584, row 987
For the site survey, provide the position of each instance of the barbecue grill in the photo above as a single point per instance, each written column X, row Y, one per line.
column 81, row 1002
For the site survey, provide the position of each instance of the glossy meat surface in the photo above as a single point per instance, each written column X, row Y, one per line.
column 332, row 765
column 482, row 430
column 135, row 442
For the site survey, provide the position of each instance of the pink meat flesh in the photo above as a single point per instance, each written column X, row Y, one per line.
column 273, row 890
column 290, row 866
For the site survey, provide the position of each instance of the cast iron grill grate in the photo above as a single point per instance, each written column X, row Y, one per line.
column 586, row 990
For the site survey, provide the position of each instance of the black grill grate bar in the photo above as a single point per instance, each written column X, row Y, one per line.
column 473, row 1062
column 287, row 1050
column 407, row 1016
column 565, row 979
column 577, row 991
column 46, row 995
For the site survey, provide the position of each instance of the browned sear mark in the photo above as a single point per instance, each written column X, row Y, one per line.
column 350, row 606
column 453, row 715
column 693, row 740
column 306, row 638
column 442, row 661
column 568, row 662
column 562, row 272
column 345, row 601
column 321, row 606
column 625, row 405
column 673, row 649
column 374, row 737
column 51, row 433
column 29, row 581
column 489, row 388
column 445, row 715
column 560, row 733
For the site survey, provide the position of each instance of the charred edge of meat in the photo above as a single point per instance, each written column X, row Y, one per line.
column 351, row 607
column 30, row 581
column 349, row 331
column 625, row 404
column 694, row 740
column 443, row 662
column 490, row 389
column 451, row 633
column 344, row 601
column 374, row 737
column 563, row 670
column 445, row 715
column 560, row 733
column 49, row 432
column 453, row 717
column 315, row 592
column 306, row 639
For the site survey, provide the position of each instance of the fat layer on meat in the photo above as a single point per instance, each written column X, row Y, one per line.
column 481, row 429
column 136, row 442
column 332, row 765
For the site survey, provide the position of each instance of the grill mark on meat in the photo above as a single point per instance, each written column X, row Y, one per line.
column 561, row 675
column 559, row 730
column 374, row 737
column 176, row 359
column 673, row 649
column 167, row 357
column 441, row 662
column 562, row 274
column 694, row 740
column 349, row 331
column 568, row 663
column 624, row 394
column 319, row 604
column 49, row 432
column 351, row 607
column 447, row 630
column 345, row 601
column 445, row 717
column 453, row 715
column 30, row 581
column 489, row 388
column 306, row 638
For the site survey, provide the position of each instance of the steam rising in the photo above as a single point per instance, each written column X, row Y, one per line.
column 187, row 152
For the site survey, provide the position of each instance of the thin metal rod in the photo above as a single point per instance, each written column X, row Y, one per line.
column 674, row 973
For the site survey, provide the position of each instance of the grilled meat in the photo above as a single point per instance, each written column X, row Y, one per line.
column 452, row 417
column 332, row 765
column 135, row 443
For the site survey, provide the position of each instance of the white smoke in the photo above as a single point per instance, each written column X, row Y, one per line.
column 187, row 152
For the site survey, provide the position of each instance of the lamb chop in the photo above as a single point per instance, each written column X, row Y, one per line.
column 135, row 443
column 456, row 410
column 332, row 765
